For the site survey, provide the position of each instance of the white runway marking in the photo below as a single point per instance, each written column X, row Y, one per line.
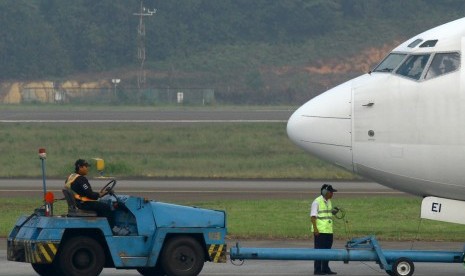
column 210, row 192
column 143, row 121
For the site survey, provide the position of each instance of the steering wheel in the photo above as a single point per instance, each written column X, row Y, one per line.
column 108, row 188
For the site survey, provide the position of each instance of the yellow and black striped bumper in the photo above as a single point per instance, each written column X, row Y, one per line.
column 217, row 253
column 32, row 252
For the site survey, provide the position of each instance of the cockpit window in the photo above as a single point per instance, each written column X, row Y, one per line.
column 429, row 43
column 390, row 62
column 443, row 63
column 413, row 66
column 415, row 43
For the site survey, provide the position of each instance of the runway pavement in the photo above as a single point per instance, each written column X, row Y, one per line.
column 204, row 190
column 140, row 115
column 282, row 268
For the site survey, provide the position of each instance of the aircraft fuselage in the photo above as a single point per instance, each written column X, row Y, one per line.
column 403, row 124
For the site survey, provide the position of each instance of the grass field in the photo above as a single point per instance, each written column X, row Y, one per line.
column 242, row 150
column 389, row 218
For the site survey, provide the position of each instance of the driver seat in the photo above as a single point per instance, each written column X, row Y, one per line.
column 73, row 210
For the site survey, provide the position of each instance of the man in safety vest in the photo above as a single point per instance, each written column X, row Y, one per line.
column 322, row 226
column 85, row 198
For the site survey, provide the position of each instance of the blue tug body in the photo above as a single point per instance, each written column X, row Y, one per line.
column 159, row 239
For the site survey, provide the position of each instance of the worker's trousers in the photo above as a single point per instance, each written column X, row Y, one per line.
column 323, row 241
column 102, row 209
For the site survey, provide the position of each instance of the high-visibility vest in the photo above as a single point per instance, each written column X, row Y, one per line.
column 324, row 220
column 69, row 181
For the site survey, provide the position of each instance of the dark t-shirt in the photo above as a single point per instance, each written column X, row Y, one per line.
column 82, row 187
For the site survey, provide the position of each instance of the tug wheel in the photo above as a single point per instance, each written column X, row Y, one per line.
column 403, row 267
column 182, row 256
column 81, row 256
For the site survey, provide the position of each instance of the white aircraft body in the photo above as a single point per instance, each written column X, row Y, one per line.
column 401, row 125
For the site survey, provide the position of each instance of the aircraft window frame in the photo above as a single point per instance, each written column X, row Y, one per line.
column 413, row 67
column 429, row 43
column 391, row 62
column 443, row 64
column 415, row 43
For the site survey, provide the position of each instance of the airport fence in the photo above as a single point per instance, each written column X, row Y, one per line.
column 147, row 96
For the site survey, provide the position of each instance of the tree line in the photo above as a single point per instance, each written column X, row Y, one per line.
column 58, row 38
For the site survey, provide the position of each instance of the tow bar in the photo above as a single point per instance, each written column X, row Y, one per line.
column 394, row 262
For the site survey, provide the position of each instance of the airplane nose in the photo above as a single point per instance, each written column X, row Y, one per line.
column 322, row 126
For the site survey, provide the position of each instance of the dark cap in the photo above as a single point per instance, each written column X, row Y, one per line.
column 81, row 162
column 328, row 187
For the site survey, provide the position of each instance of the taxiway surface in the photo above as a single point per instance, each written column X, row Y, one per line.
column 281, row 268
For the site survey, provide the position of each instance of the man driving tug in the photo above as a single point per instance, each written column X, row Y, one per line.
column 86, row 199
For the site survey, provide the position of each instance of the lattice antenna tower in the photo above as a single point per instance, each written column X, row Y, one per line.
column 143, row 12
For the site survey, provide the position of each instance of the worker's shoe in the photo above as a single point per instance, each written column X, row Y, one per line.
column 330, row 273
column 319, row 273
